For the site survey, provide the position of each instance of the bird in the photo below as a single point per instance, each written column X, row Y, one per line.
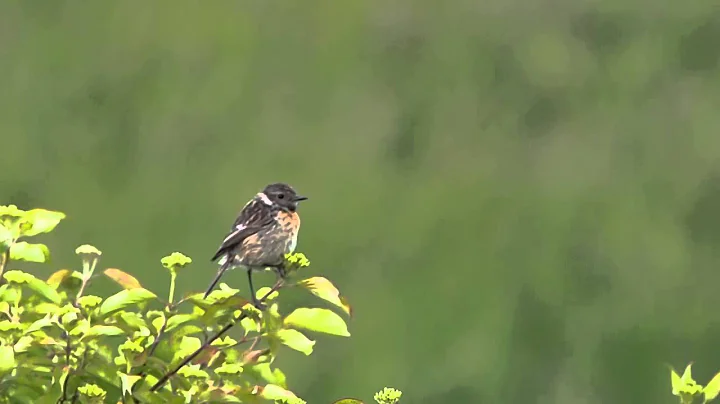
column 265, row 230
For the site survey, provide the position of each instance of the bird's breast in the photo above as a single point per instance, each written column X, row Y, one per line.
column 290, row 224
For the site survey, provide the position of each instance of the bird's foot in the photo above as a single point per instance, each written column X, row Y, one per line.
column 258, row 304
column 281, row 271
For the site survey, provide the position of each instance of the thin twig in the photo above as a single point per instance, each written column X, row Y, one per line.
column 207, row 343
column 68, row 352
column 85, row 281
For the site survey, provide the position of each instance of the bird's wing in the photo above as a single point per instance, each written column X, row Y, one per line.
column 253, row 217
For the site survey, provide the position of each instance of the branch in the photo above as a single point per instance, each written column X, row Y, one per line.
column 207, row 343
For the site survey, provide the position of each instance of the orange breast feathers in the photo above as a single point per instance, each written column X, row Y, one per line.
column 290, row 222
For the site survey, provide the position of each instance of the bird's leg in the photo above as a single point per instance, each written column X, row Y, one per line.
column 258, row 305
column 281, row 271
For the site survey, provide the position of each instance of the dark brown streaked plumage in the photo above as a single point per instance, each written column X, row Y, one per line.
column 265, row 230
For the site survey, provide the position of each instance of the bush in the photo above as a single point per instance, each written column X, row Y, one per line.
column 59, row 343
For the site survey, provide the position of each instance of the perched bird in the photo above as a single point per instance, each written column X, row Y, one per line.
column 265, row 230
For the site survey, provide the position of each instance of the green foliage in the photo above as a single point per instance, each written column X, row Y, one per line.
column 690, row 391
column 59, row 344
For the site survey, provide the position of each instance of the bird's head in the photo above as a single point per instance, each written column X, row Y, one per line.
column 283, row 196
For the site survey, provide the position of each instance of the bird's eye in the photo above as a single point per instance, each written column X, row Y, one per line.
column 281, row 196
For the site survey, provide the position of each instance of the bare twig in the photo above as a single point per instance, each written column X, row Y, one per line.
column 207, row 343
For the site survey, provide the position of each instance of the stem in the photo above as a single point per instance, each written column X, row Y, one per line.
column 207, row 343
column 68, row 352
column 173, row 277
column 88, row 270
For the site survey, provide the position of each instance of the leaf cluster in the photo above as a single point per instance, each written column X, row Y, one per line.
column 58, row 343
column 689, row 391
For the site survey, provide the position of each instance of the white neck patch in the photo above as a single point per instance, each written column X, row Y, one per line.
column 264, row 198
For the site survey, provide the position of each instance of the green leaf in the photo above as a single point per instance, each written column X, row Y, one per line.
column 275, row 392
column 6, row 325
column 712, row 389
column 133, row 320
column 124, row 299
column 102, row 330
column 11, row 211
column 23, row 343
column 296, row 340
column 89, row 301
column 264, row 292
column 229, row 369
column 224, row 342
column 40, row 324
column 324, row 289
column 193, row 371
column 187, row 346
column 127, row 382
column 87, row 249
column 122, row 278
column 296, row 261
column 178, row 320
column 7, row 359
column 348, row 401
column 58, row 277
column 687, row 375
column 388, row 395
column 43, row 221
column 92, row 390
column 44, row 290
column 6, row 238
column 24, row 251
column 319, row 320
column 175, row 261
column 33, row 283
column 676, row 382
column 17, row 276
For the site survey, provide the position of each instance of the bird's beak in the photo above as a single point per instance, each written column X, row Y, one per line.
column 299, row 198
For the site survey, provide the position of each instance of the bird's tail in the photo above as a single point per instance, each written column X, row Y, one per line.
column 224, row 267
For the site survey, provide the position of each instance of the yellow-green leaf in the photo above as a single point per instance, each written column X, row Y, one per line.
column 6, row 237
column 324, row 289
column 87, row 249
column 687, row 375
column 175, row 261
column 296, row 340
column 712, row 389
column 122, row 278
column 39, row 324
column 42, row 220
column 675, row 382
column 319, row 320
column 89, row 301
column 44, row 290
column 7, row 359
column 178, row 320
column 24, row 251
column 127, row 382
column 58, row 277
column 11, row 211
column 124, row 299
column 275, row 392
column 23, row 343
column 102, row 330
column 348, row 401
column 193, row 371
column 229, row 369
column 33, row 283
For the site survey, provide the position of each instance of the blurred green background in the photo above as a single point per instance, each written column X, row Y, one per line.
column 520, row 198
